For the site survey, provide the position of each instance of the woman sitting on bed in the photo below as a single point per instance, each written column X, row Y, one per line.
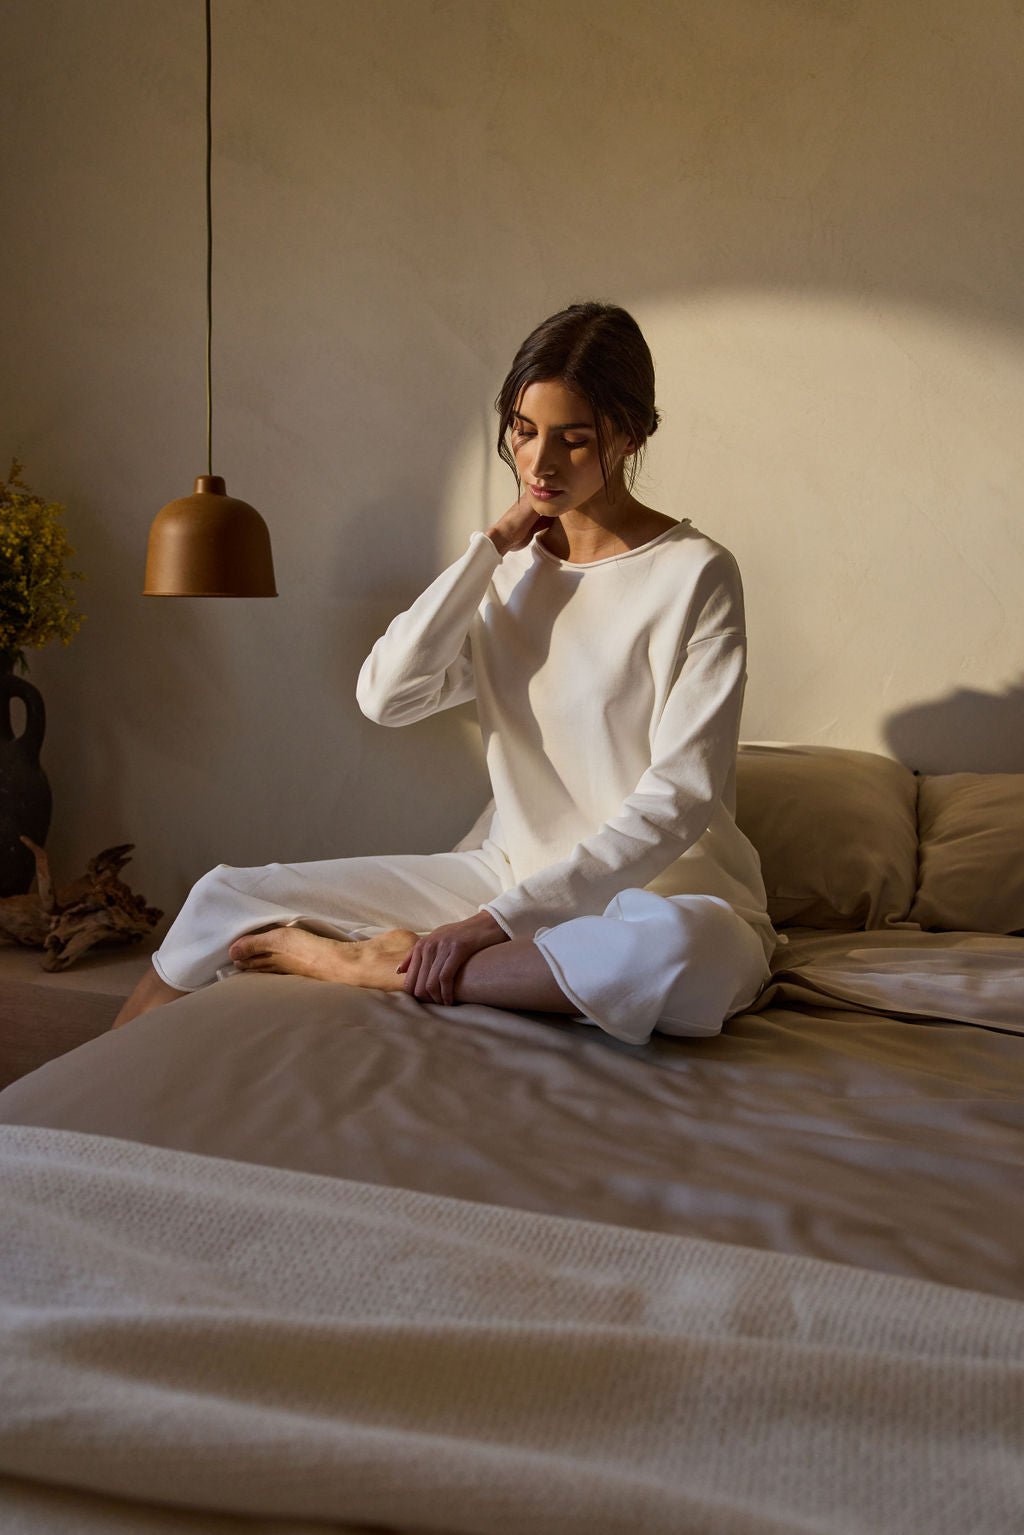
column 605, row 645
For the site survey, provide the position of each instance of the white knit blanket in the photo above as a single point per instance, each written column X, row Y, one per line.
column 190, row 1343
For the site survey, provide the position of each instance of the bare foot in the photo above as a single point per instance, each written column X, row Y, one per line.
column 357, row 962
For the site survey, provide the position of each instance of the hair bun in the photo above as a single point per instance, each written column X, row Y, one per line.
column 655, row 419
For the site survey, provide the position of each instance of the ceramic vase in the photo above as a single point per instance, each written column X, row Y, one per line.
column 25, row 799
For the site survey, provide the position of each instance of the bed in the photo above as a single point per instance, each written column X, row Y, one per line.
column 291, row 1255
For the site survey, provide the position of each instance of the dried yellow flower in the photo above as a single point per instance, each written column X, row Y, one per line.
column 36, row 602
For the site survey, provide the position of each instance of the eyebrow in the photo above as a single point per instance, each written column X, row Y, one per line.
column 565, row 426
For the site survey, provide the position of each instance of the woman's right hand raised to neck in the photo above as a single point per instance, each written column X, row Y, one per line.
column 517, row 527
column 521, row 524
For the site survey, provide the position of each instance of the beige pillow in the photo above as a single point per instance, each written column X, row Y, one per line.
column 836, row 831
column 971, row 830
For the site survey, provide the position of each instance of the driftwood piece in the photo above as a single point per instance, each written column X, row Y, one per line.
column 99, row 908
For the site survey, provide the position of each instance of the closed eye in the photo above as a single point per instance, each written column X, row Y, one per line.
column 570, row 442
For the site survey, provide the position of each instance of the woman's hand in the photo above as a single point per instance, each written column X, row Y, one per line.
column 516, row 527
column 437, row 958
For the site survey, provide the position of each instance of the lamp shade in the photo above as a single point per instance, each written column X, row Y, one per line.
column 209, row 545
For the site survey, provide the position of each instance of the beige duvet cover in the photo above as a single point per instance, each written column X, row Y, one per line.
column 867, row 1111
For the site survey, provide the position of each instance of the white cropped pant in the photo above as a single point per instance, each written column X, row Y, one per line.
column 681, row 964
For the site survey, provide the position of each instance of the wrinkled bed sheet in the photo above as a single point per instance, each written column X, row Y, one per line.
column 867, row 1110
column 959, row 977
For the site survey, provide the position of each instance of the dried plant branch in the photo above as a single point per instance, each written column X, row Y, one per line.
column 98, row 908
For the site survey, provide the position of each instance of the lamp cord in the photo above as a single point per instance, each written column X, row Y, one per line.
column 209, row 261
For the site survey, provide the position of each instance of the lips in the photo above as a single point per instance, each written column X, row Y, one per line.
column 544, row 493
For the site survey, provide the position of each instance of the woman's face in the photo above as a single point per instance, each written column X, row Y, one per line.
column 554, row 441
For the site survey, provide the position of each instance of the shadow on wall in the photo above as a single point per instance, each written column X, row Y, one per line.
column 966, row 732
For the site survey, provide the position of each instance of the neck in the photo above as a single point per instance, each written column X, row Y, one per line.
column 600, row 527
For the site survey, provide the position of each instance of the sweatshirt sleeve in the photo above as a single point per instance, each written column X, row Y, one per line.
column 423, row 662
column 693, row 751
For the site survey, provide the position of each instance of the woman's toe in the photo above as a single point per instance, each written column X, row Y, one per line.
column 265, row 941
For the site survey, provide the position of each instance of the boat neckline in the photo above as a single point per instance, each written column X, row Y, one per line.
column 609, row 559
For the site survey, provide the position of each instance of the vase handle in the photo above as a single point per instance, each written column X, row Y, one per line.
column 31, row 738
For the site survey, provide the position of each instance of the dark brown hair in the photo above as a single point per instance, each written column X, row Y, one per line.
column 598, row 351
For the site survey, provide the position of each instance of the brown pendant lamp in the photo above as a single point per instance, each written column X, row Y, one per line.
column 208, row 544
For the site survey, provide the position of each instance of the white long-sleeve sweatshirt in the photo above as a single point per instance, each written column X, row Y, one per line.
column 609, row 697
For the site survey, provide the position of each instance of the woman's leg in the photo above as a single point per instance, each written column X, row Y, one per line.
column 682, row 964
column 424, row 890
column 149, row 993
column 512, row 975
column 365, row 898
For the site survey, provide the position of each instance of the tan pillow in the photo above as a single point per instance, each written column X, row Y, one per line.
column 836, row 831
column 971, row 830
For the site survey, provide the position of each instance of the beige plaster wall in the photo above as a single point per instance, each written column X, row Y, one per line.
column 813, row 208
